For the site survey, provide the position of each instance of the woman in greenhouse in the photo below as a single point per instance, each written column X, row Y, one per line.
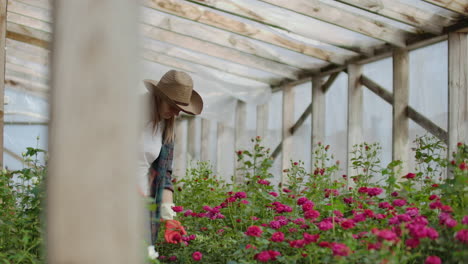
column 164, row 100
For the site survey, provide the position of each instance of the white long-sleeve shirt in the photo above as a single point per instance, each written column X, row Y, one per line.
column 150, row 144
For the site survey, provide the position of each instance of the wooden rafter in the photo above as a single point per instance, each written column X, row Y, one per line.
column 219, row 51
column 402, row 12
column 194, row 62
column 330, row 14
column 205, row 16
column 227, row 39
column 459, row 6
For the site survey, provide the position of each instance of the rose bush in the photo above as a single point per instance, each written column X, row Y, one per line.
column 322, row 217
column 21, row 201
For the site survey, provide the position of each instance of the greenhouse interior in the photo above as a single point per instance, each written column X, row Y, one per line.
column 332, row 131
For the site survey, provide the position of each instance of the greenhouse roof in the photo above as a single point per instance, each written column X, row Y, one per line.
column 244, row 46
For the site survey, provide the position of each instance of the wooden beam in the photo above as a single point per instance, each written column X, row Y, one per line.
column 459, row 6
column 400, row 137
column 94, row 214
column 318, row 114
column 204, row 15
column 399, row 11
column 25, row 85
column 301, row 119
column 225, row 152
column 28, row 35
column 377, row 89
column 355, row 22
column 360, row 60
column 262, row 120
column 27, row 8
column 240, row 128
column 276, row 151
column 457, row 91
column 205, row 148
column 355, row 113
column 329, row 81
column 192, row 153
column 3, row 15
column 427, row 124
column 219, row 51
column 288, row 122
column 180, row 149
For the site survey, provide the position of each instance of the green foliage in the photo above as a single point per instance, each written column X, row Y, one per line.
column 219, row 215
column 21, row 200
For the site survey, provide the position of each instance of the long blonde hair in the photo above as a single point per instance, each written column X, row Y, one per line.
column 169, row 124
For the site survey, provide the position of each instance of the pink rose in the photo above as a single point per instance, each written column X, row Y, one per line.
column 433, row 260
column 277, row 237
column 197, row 256
column 254, row 231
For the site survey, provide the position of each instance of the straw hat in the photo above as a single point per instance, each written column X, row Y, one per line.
column 176, row 88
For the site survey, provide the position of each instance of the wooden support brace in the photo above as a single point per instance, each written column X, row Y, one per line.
column 377, row 89
column 427, row 124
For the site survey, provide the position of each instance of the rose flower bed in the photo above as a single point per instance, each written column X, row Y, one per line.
column 321, row 217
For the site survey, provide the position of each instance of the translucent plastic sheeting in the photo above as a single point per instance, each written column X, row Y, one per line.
column 429, row 88
column 378, row 124
column 429, row 82
column 336, row 101
column 302, row 136
column 20, row 109
column 273, row 136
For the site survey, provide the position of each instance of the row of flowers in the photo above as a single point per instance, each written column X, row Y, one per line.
column 321, row 217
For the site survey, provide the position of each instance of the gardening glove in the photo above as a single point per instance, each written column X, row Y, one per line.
column 166, row 211
column 174, row 231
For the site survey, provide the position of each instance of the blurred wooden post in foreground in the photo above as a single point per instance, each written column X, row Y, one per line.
column 93, row 213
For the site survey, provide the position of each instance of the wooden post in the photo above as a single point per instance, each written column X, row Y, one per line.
column 318, row 114
column 355, row 108
column 225, row 156
column 400, row 103
column 262, row 120
column 3, row 15
column 288, row 122
column 205, row 140
column 458, row 91
column 191, row 139
column 94, row 213
column 240, row 129
column 180, row 149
